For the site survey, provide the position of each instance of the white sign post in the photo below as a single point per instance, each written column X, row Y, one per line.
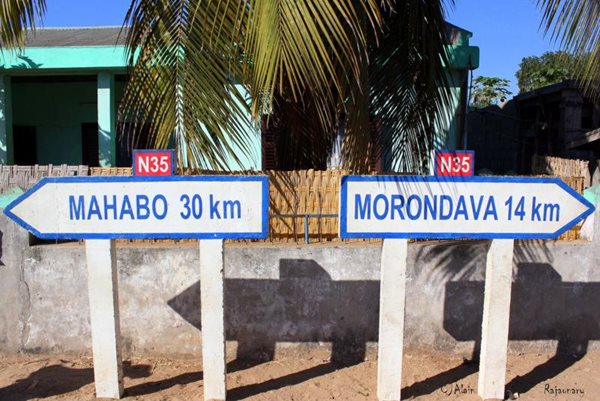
column 391, row 318
column 213, row 318
column 497, row 208
column 100, row 209
column 496, row 318
column 104, row 317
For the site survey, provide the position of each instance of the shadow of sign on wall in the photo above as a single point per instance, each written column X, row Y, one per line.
column 563, row 311
column 303, row 305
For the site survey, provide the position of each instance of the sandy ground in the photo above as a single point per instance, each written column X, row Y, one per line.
column 426, row 376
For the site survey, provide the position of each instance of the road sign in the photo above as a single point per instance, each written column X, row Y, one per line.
column 160, row 163
column 458, row 207
column 204, row 207
column 454, row 163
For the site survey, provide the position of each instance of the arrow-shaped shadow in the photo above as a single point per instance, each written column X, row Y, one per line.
column 303, row 305
column 543, row 307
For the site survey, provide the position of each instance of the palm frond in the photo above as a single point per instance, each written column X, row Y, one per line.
column 308, row 59
column 574, row 24
column 191, row 51
column 357, row 144
column 409, row 85
column 187, row 58
column 312, row 52
column 299, row 45
column 15, row 17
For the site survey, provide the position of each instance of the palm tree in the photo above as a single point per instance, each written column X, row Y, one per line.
column 15, row 17
column 314, row 64
column 574, row 24
column 319, row 64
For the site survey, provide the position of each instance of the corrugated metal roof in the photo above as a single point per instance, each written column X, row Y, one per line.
column 109, row 36
column 93, row 36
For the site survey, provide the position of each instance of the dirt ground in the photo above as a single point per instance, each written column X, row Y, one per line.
column 426, row 376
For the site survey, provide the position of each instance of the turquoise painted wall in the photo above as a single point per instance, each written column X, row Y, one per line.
column 253, row 159
column 57, row 110
column 73, row 58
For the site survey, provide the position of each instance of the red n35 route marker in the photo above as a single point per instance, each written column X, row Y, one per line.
column 457, row 163
column 153, row 163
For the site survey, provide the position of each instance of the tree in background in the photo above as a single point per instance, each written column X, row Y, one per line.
column 309, row 66
column 331, row 57
column 317, row 64
column 488, row 91
column 574, row 24
column 550, row 68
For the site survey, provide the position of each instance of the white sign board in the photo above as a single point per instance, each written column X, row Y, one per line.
column 205, row 207
column 458, row 207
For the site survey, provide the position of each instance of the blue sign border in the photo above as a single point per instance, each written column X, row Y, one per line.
column 448, row 235
column 136, row 151
column 264, row 180
column 438, row 151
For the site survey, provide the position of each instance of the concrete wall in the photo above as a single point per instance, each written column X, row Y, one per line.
column 279, row 296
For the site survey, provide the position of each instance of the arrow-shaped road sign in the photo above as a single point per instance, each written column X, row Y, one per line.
column 458, row 207
column 205, row 207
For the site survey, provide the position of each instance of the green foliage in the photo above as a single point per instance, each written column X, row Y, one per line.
column 550, row 68
column 324, row 63
column 488, row 91
column 574, row 24
column 317, row 62
column 15, row 17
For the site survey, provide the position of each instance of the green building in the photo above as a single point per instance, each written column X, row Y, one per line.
column 59, row 98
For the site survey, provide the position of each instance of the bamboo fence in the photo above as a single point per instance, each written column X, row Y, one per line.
column 573, row 172
column 559, row 167
column 25, row 177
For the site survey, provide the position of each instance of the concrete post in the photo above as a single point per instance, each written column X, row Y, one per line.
column 213, row 319
column 391, row 319
column 6, row 139
column 496, row 316
column 107, row 131
column 104, row 316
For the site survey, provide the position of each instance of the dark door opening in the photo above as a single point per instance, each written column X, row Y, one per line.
column 89, row 144
column 25, row 145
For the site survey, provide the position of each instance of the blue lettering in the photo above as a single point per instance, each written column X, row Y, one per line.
column 412, row 200
column 76, row 211
column 232, row 207
column 214, row 211
column 141, row 203
column 431, row 206
column 397, row 205
column 159, row 216
column 448, row 214
column 476, row 210
column 110, row 206
column 94, row 208
column 551, row 211
column 535, row 211
column 461, row 208
column 126, row 208
column 380, row 216
column 490, row 209
column 362, row 210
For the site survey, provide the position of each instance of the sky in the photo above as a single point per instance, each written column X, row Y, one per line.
column 505, row 30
